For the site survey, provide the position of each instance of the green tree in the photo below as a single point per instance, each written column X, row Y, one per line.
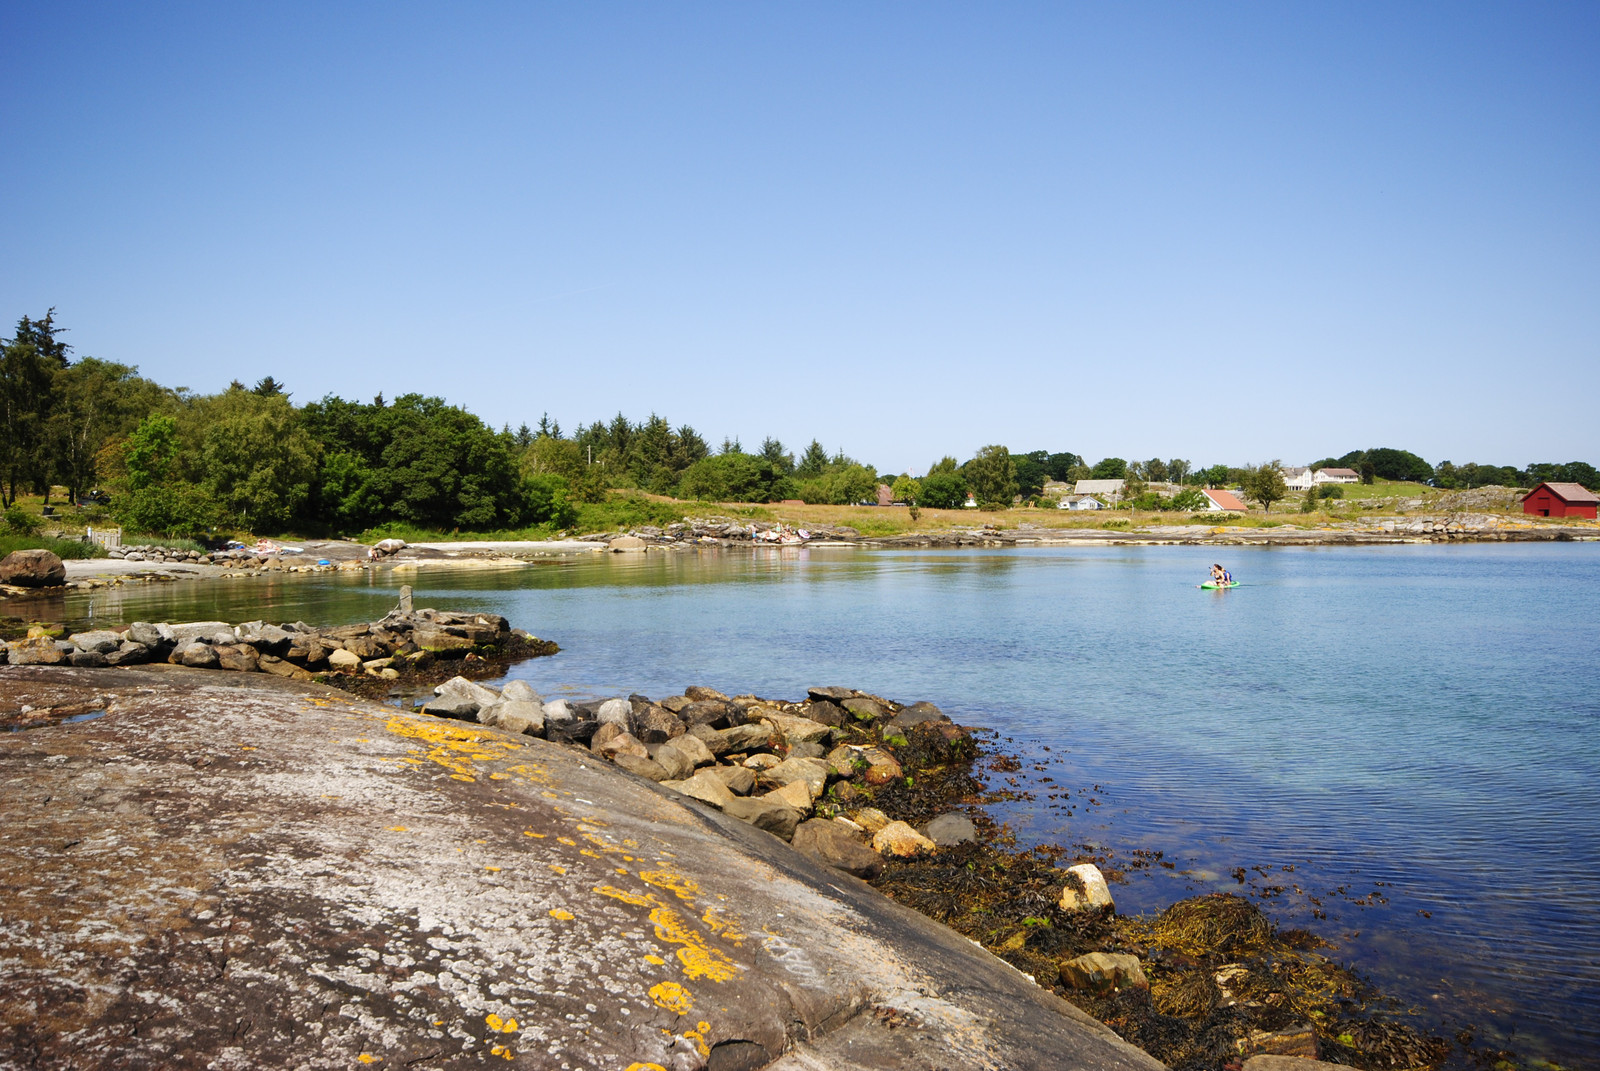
column 1265, row 484
column 992, row 477
column 257, row 461
column 943, row 489
column 1111, row 468
column 1178, row 470
column 29, row 364
column 905, row 489
column 1033, row 469
column 1189, row 500
column 97, row 402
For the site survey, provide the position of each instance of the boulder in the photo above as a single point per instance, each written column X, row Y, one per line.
column 917, row 714
column 643, row 766
column 1102, row 972
column 795, row 794
column 627, row 542
column 826, row 712
column 761, row 762
column 519, row 690
column 678, row 765
column 365, row 647
column 144, row 632
column 88, row 659
column 279, row 667
column 675, row 703
column 718, row 713
column 558, row 710
column 883, row 771
column 814, row 772
column 625, row 744
column 656, row 725
column 693, row 748
column 948, row 830
column 129, row 653
column 102, row 642
column 603, row 734
column 699, row 693
column 1088, row 892
column 871, row 819
column 863, row 710
column 706, row 788
column 800, row 730
column 835, row 694
column 806, row 751
column 461, row 707
column 901, row 840
column 742, row 738
column 514, row 716
column 270, row 639
column 766, row 814
column 32, row 569
column 832, row 844
column 470, row 689
column 436, row 640
column 187, row 632
column 238, row 657
column 618, row 711
column 197, row 655
column 309, row 651
column 344, row 660
column 740, row 781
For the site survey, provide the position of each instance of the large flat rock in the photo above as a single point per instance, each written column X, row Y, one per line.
column 236, row 871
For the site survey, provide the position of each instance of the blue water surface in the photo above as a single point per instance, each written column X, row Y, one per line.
column 1411, row 729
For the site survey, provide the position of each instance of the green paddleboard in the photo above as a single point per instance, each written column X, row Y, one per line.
column 1210, row 586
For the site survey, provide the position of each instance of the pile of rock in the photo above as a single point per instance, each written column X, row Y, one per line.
column 159, row 555
column 295, row 649
column 805, row 772
column 713, row 530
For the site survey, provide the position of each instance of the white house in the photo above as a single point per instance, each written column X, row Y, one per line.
column 1296, row 478
column 1337, row 476
column 1080, row 502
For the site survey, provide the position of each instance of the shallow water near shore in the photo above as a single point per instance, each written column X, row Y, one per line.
column 1418, row 726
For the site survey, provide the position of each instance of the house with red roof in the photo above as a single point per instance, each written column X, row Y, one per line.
column 1560, row 500
column 1223, row 501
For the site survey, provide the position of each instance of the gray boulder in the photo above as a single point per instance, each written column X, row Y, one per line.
column 460, row 707
column 718, row 713
column 617, row 712
column 264, row 637
column 678, row 765
column 834, row 694
column 814, row 772
column 642, row 766
column 833, row 844
column 460, row 686
column 185, row 633
column 519, row 690
column 705, row 788
column 88, row 659
column 740, row 781
column 238, row 657
column 144, row 632
column 656, row 725
column 36, row 652
column 32, row 569
column 129, row 653
column 197, row 655
column 917, row 714
column 769, row 815
column 514, row 716
column 558, row 710
column 756, row 737
column 103, row 641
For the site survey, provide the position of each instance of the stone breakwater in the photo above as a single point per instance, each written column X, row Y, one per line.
column 817, row 773
column 406, row 644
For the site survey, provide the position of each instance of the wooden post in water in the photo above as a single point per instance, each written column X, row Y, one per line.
column 405, row 598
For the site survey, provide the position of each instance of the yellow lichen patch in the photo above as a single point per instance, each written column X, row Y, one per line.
column 678, row 885
column 722, row 927
column 698, row 959
column 503, row 1026
column 248, row 747
column 655, row 960
column 568, row 841
column 532, row 772
column 398, row 829
column 673, row 997
column 644, row 1067
column 368, row 1058
column 499, row 776
column 557, row 867
column 480, row 842
column 531, row 833
column 590, row 854
column 636, row 899
column 492, row 869
column 562, row 914
column 502, row 1051
column 456, row 749
column 622, row 870
column 698, row 1036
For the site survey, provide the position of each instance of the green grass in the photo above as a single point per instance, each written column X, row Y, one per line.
column 65, row 549
column 1386, row 489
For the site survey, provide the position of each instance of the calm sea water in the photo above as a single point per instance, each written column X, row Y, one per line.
column 1405, row 740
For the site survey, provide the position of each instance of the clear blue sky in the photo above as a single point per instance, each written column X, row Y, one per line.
column 1227, row 233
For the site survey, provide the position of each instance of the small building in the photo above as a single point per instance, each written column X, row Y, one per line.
column 1560, row 500
column 885, row 495
column 970, row 503
column 1336, row 476
column 1223, row 502
column 1080, row 502
column 1099, row 487
column 1296, row 478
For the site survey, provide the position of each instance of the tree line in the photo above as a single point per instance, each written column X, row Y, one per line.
column 179, row 463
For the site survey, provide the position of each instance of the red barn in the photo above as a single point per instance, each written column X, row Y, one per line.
column 1560, row 500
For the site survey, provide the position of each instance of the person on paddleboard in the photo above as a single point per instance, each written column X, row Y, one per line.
column 1220, row 576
